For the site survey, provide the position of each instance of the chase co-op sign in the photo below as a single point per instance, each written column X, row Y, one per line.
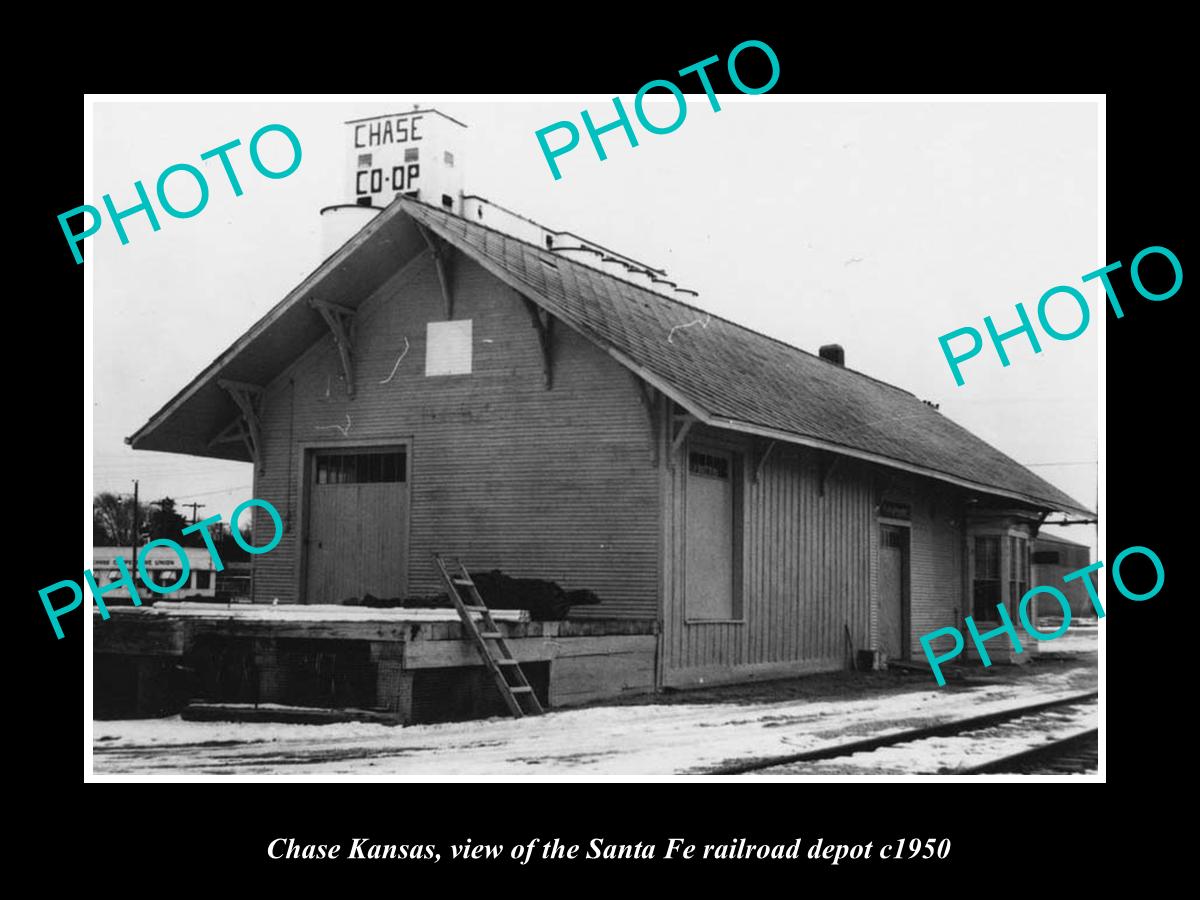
column 388, row 158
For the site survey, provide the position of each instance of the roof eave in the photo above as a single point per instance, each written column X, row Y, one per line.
column 311, row 281
column 761, row 431
column 708, row 418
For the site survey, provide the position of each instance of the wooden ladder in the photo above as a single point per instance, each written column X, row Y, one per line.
column 501, row 664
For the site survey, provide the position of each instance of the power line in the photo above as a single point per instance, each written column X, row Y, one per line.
column 1083, row 462
column 240, row 487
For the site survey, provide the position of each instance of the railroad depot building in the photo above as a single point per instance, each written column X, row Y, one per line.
column 457, row 379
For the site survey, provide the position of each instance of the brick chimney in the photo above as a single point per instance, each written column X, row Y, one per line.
column 834, row 353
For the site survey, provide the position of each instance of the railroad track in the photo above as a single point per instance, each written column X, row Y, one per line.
column 1070, row 756
column 958, row 727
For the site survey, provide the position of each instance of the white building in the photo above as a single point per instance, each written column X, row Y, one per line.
column 163, row 566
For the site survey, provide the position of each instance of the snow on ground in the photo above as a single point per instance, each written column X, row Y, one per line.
column 1078, row 639
column 597, row 742
column 309, row 612
column 934, row 755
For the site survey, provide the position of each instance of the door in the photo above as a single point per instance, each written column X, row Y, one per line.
column 357, row 524
column 893, row 590
column 710, row 536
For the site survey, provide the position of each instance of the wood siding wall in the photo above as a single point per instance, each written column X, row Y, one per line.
column 807, row 574
column 811, row 561
column 936, row 545
column 551, row 484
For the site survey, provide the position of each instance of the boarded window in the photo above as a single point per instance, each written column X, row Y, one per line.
column 360, row 467
column 448, row 348
column 713, row 536
column 987, row 577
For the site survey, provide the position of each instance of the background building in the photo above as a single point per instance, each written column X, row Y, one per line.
column 1054, row 558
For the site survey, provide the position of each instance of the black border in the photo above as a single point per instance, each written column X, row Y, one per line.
column 213, row 837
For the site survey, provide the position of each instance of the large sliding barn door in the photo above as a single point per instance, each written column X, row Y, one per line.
column 357, row 524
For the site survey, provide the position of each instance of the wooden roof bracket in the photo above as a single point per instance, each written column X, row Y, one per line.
column 680, row 436
column 1040, row 522
column 339, row 319
column 762, row 460
column 883, row 484
column 649, row 398
column 441, row 251
column 829, row 462
column 231, row 433
column 543, row 324
column 248, row 398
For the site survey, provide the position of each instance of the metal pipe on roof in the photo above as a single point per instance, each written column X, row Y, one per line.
column 586, row 255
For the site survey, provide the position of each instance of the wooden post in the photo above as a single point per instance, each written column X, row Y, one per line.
column 393, row 683
column 270, row 676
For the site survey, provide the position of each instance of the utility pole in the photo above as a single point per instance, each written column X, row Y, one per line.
column 194, row 507
column 133, row 541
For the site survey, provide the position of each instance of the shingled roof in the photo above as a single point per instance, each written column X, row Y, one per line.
column 732, row 377
column 722, row 373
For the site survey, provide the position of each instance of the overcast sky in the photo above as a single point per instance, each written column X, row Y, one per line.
column 879, row 226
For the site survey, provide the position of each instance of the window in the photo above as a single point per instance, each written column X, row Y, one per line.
column 1018, row 572
column 410, row 154
column 708, row 465
column 447, row 158
column 364, row 160
column 360, row 468
column 448, row 348
column 987, row 577
column 167, row 578
column 203, row 580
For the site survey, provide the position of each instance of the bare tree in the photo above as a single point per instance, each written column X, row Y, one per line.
column 112, row 519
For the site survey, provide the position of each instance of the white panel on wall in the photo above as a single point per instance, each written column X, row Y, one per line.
column 448, row 348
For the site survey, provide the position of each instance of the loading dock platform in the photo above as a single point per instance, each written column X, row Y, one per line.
column 412, row 665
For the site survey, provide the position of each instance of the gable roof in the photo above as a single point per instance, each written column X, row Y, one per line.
column 722, row 373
